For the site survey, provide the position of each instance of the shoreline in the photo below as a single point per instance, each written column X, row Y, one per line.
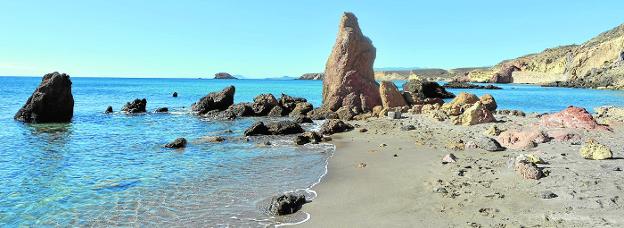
column 403, row 191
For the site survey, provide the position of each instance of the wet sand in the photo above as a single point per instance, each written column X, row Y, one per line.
column 414, row 189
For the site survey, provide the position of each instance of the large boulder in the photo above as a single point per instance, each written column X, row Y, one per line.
column 390, row 95
column 475, row 114
column 215, row 101
column 349, row 69
column 288, row 103
column 51, row 102
column 241, row 109
column 322, row 113
column 489, row 102
column 419, row 89
column 177, row 143
column 301, row 108
column 257, row 128
column 572, row 117
column 285, row 204
column 459, row 104
column 334, row 126
column 263, row 104
column 136, row 106
column 308, row 137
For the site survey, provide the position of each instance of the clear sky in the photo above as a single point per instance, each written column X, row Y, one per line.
column 197, row 38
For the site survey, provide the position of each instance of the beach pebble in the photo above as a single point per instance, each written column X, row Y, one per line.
column 440, row 190
column 548, row 195
column 408, row 128
column 361, row 165
column 449, row 158
column 363, row 130
column 383, row 145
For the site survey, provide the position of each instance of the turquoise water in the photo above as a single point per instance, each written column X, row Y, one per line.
column 111, row 170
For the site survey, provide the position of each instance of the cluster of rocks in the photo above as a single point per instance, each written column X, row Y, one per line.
column 465, row 109
column 466, row 85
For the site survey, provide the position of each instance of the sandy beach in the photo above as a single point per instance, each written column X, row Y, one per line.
column 405, row 184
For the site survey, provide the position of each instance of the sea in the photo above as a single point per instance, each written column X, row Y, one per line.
column 112, row 170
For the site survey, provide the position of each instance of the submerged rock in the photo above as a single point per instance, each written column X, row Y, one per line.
column 285, row 204
column 595, row 151
column 161, row 110
column 51, row 102
column 349, row 76
column 215, row 101
column 334, row 126
column 177, row 144
column 136, row 106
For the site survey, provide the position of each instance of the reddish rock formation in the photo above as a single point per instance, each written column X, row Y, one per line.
column 390, row 95
column 51, row 102
column 526, row 139
column 572, row 117
column 349, row 77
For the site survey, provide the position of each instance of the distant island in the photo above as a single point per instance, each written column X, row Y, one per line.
column 224, row 75
column 312, row 76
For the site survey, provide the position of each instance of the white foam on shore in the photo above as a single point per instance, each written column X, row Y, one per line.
column 311, row 191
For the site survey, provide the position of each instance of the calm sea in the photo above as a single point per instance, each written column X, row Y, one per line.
column 111, row 170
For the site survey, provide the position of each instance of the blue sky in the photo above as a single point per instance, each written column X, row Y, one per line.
column 193, row 38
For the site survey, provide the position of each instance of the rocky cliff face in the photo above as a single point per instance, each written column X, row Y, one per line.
column 349, row 78
column 597, row 63
column 431, row 74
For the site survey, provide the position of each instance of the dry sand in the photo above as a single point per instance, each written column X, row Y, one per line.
column 404, row 184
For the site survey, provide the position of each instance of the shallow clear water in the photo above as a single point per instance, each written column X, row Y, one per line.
column 111, row 170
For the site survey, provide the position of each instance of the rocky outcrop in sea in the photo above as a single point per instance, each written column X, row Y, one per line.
column 312, row 76
column 349, row 77
column 51, row 102
column 224, row 75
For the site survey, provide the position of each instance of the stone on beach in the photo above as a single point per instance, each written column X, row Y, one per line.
column 475, row 114
column 322, row 113
column 492, row 131
column 301, row 108
column 595, row 151
column 51, row 102
column 349, row 76
column 285, row 204
column 390, row 95
column 308, row 137
column 489, row 102
column 334, row 126
column 346, row 113
column 488, row 144
column 572, row 117
column 177, row 143
column 284, row 127
column 528, row 170
column 526, row 139
column 215, row 101
column 610, row 112
column 449, row 158
column 394, row 115
column 136, row 106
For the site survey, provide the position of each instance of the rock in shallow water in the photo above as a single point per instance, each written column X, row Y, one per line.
column 136, row 106
column 286, row 204
column 52, row 101
column 334, row 126
column 177, row 144
column 215, row 101
column 276, row 128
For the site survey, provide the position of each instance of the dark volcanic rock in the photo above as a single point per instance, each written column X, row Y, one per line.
column 301, row 108
column 163, row 109
column 284, row 127
column 276, row 111
column 349, row 76
column 302, row 119
column 334, row 126
column 308, row 137
column 136, row 106
column 276, row 128
column 322, row 113
column 289, row 103
column 286, row 204
column 52, row 101
column 241, row 109
column 223, row 75
column 263, row 104
column 420, row 89
column 215, row 101
column 466, row 85
column 175, row 94
column 109, row 110
column 257, row 128
column 176, row 144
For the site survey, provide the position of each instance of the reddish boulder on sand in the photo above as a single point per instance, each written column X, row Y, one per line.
column 526, row 139
column 563, row 135
column 349, row 76
column 572, row 117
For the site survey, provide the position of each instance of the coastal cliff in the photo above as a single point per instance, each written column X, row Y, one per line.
column 597, row 63
column 431, row 74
